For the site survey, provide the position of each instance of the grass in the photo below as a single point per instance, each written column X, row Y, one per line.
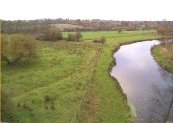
column 114, row 35
column 164, row 56
column 70, row 82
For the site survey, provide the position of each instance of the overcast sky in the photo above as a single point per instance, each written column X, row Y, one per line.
column 87, row 9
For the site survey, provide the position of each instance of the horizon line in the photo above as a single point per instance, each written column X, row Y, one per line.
column 81, row 19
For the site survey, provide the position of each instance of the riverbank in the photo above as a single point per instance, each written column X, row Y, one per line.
column 112, row 86
column 131, row 107
column 126, row 65
column 163, row 57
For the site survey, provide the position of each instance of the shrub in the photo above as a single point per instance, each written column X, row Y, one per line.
column 101, row 40
column 70, row 37
column 18, row 48
column 165, row 30
column 78, row 36
column 74, row 37
column 120, row 30
column 52, row 34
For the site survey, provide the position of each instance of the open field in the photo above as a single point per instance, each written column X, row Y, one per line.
column 115, row 37
column 70, row 82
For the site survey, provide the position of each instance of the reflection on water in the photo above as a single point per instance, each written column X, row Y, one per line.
column 147, row 86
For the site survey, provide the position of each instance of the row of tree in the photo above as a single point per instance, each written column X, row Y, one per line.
column 23, row 26
column 34, row 26
column 54, row 34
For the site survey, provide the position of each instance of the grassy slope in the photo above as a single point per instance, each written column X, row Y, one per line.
column 163, row 57
column 76, row 76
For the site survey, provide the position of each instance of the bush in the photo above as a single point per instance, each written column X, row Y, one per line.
column 52, row 34
column 18, row 48
column 101, row 40
column 120, row 30
column 78, row 36
column 165, row 30
column 70, row 37
column 74, row 37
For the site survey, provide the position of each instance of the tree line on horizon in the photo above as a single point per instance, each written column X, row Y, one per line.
column 35, row 26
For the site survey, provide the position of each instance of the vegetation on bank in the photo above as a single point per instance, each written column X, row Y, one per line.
column 164, row 56
column 163, row 53
column 70, row 82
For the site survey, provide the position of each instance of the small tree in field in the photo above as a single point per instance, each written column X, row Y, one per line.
column 70, row 37
column 120, row 30
column 101, row 40
column 78, row 36
column 18, row 48
column 74, row 37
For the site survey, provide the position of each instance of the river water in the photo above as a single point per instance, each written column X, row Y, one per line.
column 147, row 86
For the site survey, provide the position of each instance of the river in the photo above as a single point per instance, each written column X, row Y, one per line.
column 147, row 86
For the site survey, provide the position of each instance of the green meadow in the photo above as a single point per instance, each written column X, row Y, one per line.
column 70, row 82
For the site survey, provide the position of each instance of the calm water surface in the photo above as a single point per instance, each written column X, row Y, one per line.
column 147, row 86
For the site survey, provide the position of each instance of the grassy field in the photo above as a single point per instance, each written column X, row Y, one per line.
column 164, row 56
column 70, row 82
